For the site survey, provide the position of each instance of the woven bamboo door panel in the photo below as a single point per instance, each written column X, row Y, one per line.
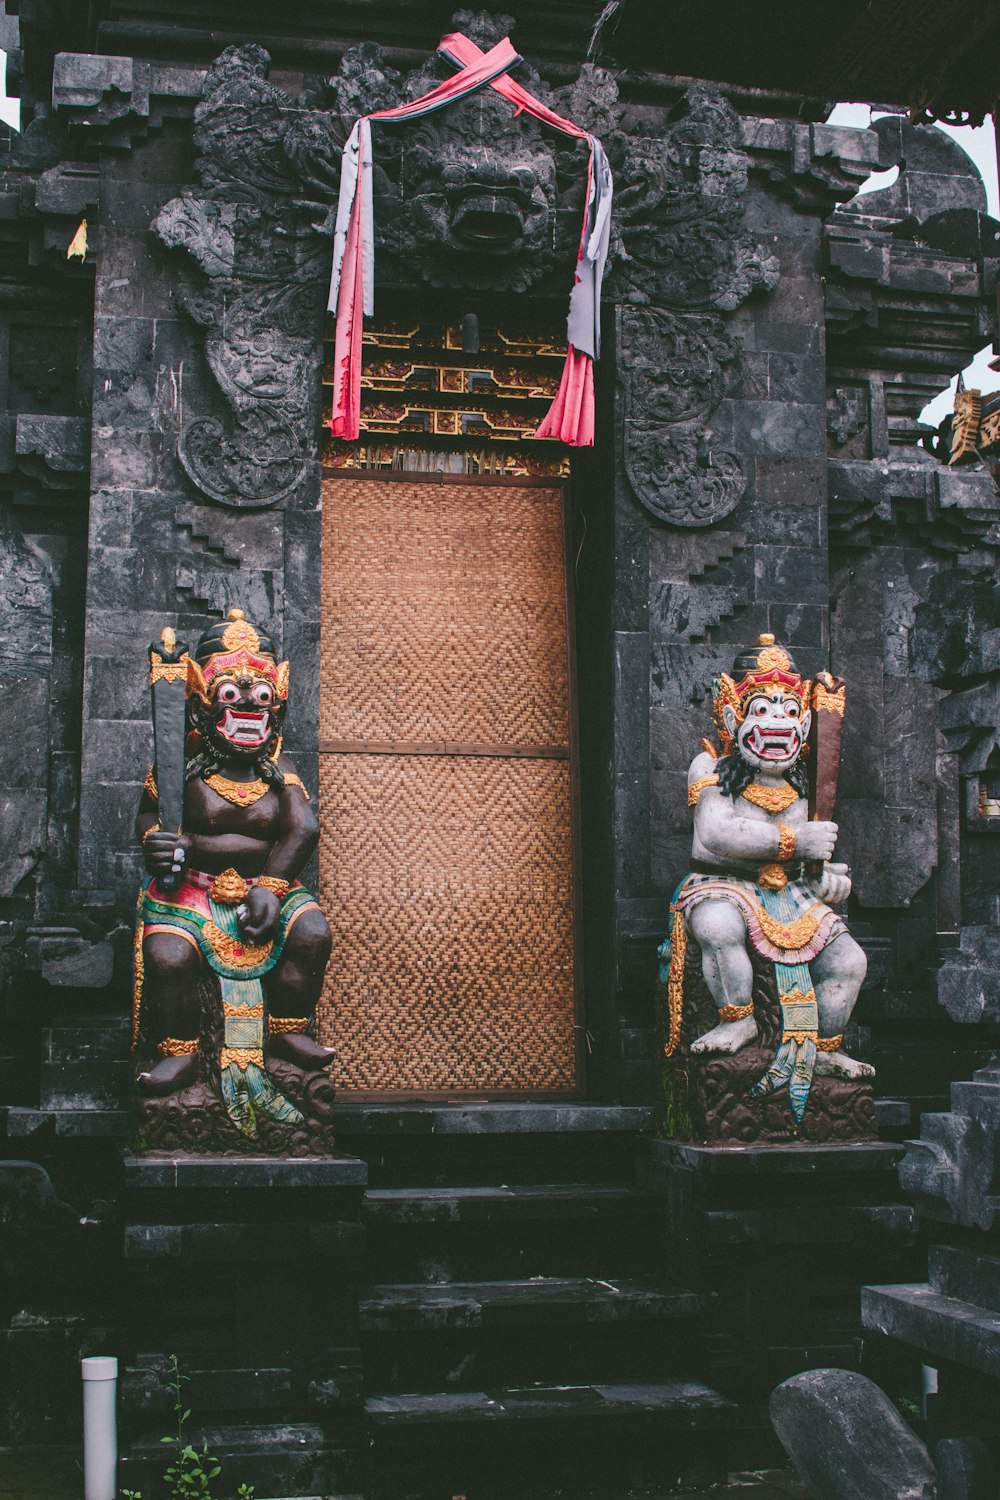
column 446, row 857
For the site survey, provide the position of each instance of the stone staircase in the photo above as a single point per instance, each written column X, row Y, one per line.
column 517, row 1335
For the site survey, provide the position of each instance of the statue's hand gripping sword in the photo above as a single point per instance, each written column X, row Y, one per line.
column 168, row 662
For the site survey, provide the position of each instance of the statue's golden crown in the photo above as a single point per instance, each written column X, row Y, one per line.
column 757, row 670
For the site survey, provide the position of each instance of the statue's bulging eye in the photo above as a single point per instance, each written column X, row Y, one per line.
column 791, row 708
column 263, row 694
column 228, row 693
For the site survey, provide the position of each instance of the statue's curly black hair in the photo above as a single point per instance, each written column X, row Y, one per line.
column 735, row 773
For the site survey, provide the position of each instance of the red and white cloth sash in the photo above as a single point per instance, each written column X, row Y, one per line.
column 352, row 283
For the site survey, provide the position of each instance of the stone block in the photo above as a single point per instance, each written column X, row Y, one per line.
column 848, row 1441
column 967, row 1275
column 965, row 1469
column 785, row 575
column 24, row 820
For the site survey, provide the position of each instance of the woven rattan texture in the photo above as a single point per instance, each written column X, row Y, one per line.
column 443, row 614
column 447, row 882
column 447, row 879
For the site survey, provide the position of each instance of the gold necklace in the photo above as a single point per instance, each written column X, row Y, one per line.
column 239, row 793
column 773, row 799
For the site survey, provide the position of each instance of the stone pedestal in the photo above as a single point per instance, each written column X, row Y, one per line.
column 785, row 1236
column 245, row 1269
column 708, row 1098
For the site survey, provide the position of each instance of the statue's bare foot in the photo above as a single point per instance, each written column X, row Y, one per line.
column 169, row 1075
column 295, row 1047
column 839, row 1065
column 727, row 1037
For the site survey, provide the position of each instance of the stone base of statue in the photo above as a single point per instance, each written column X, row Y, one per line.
column 195, row 1119
column 707, row 1098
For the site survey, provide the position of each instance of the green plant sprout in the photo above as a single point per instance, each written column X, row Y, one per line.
column 191, row 1472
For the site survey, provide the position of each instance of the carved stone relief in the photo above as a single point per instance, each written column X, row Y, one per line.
column 683, row 246
column 473, row 196
column 673, row 373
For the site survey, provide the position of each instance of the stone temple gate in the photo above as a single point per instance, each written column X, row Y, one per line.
column 501, row 652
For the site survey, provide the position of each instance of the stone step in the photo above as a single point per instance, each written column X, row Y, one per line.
column 474, row 1233
column 601, row 1438
column 965, row 1275
column 492, row 1143
column 481, row 1335
column 402, row 1207
column 278, row 1459
column 941, row 1328
column 542, row 1300
column 100, row 1083
column 686, row 1403
column 839, row 1224
column 69, row 1040
column 217, row 1390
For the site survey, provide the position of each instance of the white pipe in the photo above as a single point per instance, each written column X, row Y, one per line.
column 928, row 1387
column 100, row 1429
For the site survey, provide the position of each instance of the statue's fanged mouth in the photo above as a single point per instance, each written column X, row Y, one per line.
column 772, row 744
column 244, row 729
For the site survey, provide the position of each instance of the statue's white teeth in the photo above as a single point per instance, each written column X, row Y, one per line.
column 244, row 728
column 772, row 743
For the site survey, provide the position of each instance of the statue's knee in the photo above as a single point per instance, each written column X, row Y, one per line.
column 170, row 959
column 718, row 925
column 310, row 939
column 849, row 960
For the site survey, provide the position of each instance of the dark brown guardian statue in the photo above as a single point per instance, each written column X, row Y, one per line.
column 230, row 949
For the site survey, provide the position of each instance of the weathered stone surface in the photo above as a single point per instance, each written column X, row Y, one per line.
column 965, row 1469
column 952, row 1167
column 848, row 1441
column 967, row 980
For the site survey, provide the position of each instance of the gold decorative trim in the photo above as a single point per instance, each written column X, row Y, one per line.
column 171, row 1046
column 675, row 984
column 273, row 883
column 138, row 973
column 239, row 793
column 829, row 1043
column 229, row 888
column 773, row 659
column 830, row 702
column 772, row 877
column 149, row 786
column 233, row 952
column 735, row 1012
column 697, row 787
column 710, row 749
column 167, row 671
column 280, row 1025
column 798, row 1036
column 240, row 1057
column 788, row 935
column 786, row 841
column 292, row 780
column 968, row 412
column 244, row 1012
column 771, row 799
column 798, row 997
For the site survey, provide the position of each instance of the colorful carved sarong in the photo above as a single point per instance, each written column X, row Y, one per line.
column 789, row 927
column 352, row 282
column 204, row 912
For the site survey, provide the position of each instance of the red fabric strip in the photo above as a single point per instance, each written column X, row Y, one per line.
column 571, row 415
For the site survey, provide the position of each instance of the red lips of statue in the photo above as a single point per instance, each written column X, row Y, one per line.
column 245, row 730
column 772, row 743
